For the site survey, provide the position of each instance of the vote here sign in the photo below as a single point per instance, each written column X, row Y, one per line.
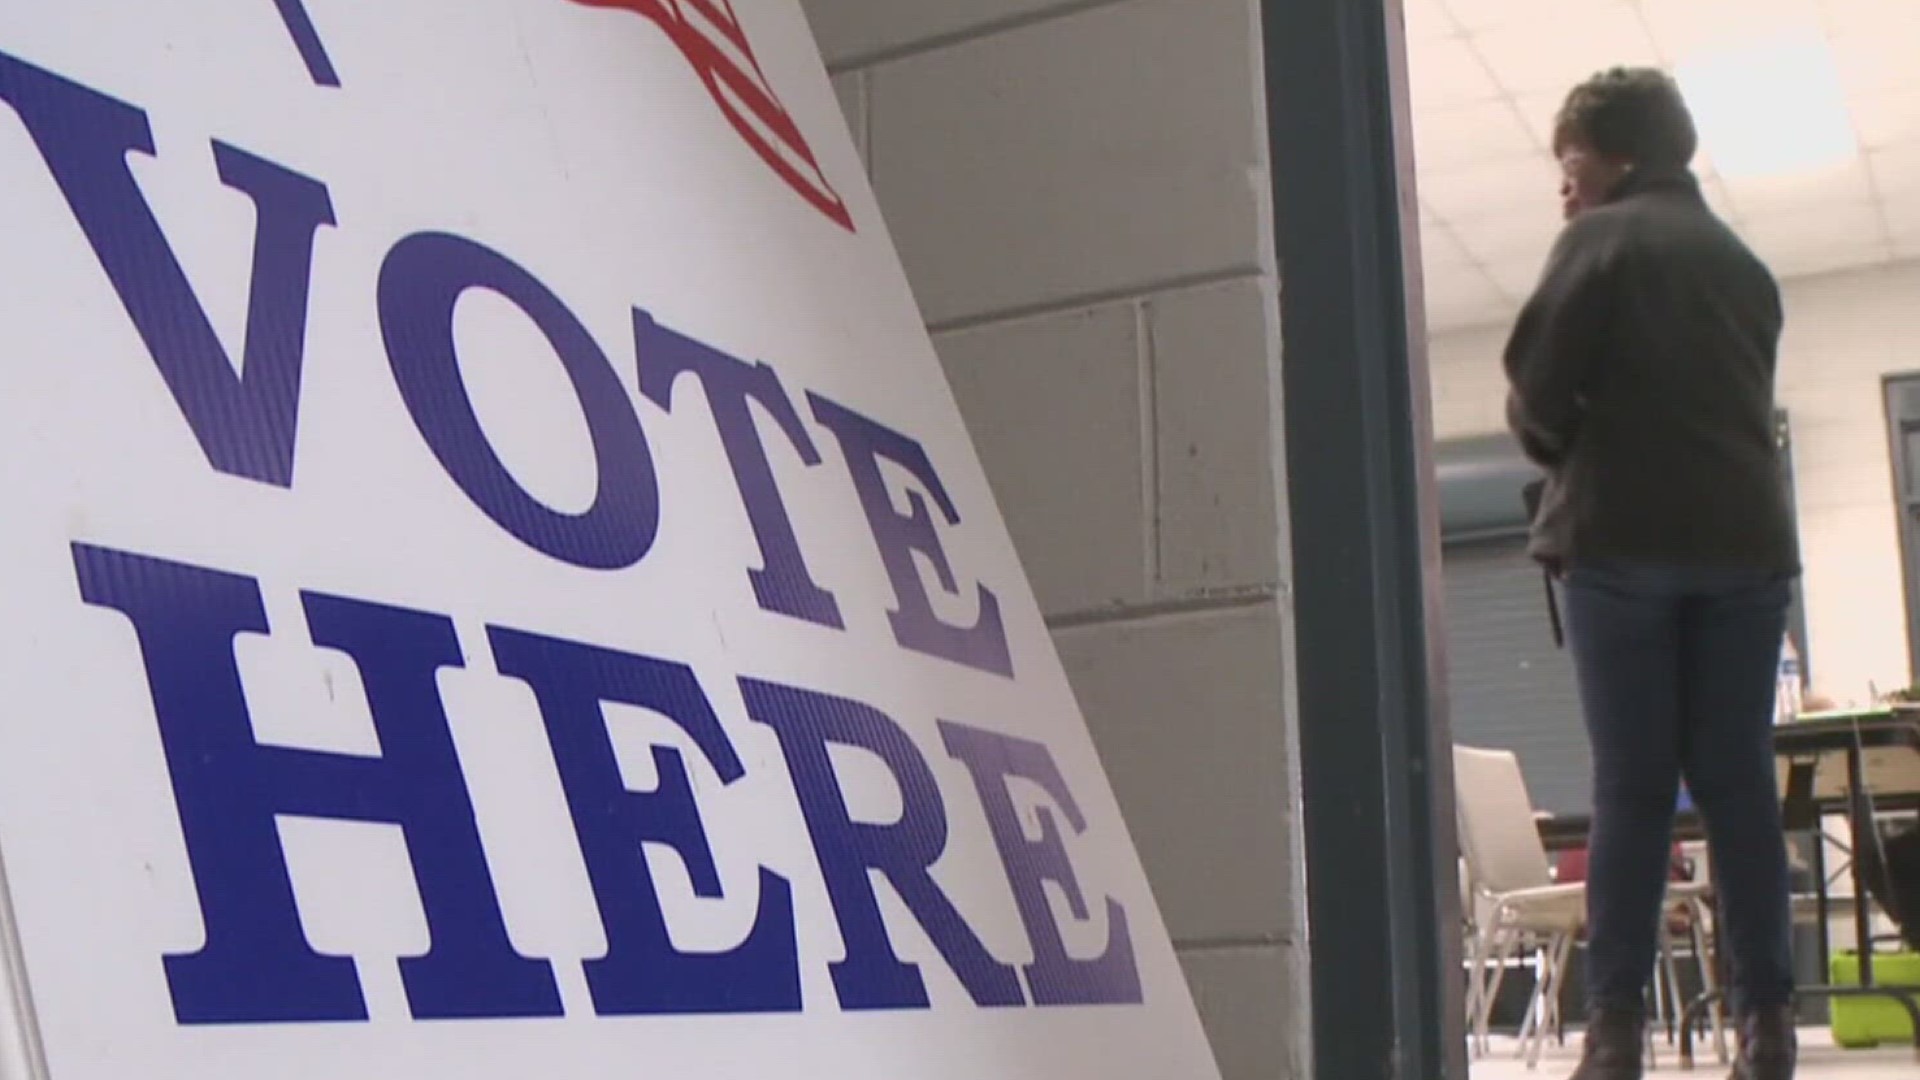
column 495, row 583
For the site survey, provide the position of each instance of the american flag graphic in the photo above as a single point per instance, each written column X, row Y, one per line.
column 709, row 35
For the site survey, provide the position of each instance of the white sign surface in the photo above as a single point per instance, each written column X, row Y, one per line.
column 496, row 584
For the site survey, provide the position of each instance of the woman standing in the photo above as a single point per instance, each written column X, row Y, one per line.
column 1641, row 380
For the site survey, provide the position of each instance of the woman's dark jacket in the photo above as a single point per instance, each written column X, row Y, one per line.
column 1641, row 376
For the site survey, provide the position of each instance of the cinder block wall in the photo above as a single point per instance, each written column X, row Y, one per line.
column 1080, row 193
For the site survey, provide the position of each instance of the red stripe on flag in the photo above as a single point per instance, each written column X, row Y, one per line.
column 722, row 16
column 734, row 86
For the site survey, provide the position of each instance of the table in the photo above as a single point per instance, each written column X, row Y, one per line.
column 1565, row 832
column 1824, row 761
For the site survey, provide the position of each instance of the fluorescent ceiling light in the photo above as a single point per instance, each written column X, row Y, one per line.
column 1770, row 108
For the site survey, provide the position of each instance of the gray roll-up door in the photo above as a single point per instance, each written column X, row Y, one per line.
column 1510, row 687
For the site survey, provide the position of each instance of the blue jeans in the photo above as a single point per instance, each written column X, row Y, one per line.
column 1677, row 670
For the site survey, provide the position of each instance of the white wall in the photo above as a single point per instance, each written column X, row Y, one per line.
column 1844, row 332
column 1079, row 192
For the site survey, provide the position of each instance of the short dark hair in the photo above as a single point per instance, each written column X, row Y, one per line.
column 1635, row 114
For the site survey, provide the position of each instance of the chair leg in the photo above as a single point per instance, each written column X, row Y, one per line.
column 1709, row 964
column 1469, row 961
column 1531, row 1021
column 1476, row 947
column 1649, row 1035
column 1501, row 948
column 1567, row 943
column 1658, row 1019
column 1512, row 952
column 1673, row 999
column 1547, row 992
column 1486, row 957
column 1550, row 1006
column 1533, row 1030
column 1556, row 1015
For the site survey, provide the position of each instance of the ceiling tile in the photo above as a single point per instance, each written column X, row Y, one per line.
column 1903, row 221
column 1895, row 19
column 1851, row 234
column 1462, row 285
column 1517, row 276
column 1492, row 188
column 1870, row 62
column 1720, row 200
column 1444, row 73
column 1683, row 29
column 1439, row 247
column 1896, row 176
column 1522, row 231
column 1453, row 320
column 1445, row 139
column 1544, row 58
column 1427, row 19
column 1854, row 222
column 1812, row 259
column 1449, row 271
column 1477, row 15
column 1896, row 171
column 1539, row 111
column 1446, row 264
column 1462, row 298
column 1802, row 195
column 1887, row 116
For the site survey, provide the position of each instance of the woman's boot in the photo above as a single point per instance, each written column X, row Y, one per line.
column 1615, row 1038
column 1769, row 1047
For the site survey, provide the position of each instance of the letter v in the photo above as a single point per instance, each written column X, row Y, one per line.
column 244, row 422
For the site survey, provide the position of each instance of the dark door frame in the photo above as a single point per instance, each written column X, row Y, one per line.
column 1375, row 758
column 1797, row 613
column 1906, row 503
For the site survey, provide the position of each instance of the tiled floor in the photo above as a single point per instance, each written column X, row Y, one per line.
column 1819, row 1060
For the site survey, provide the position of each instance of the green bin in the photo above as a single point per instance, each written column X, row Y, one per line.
column 1870, row 1021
